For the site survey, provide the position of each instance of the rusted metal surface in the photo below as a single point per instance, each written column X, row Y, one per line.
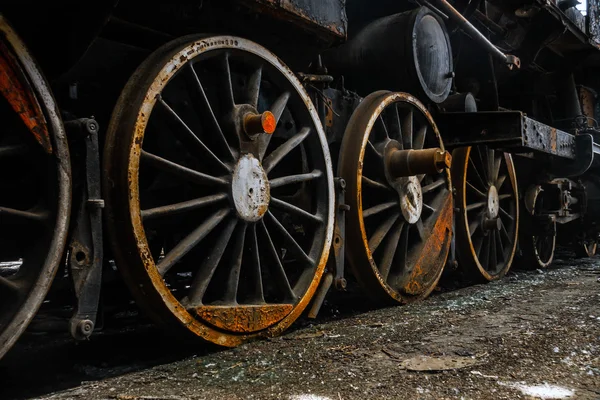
column 322, row 17
column 16, row 89
column 244, row 319
column 233, row 323
column 434, row 252
column 506, row 129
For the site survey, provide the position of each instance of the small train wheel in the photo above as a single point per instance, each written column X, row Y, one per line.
column 537, row 237
column 35, row 200
column 585, row 248
column 219, row 189
column 488, row 218
column 399, row 229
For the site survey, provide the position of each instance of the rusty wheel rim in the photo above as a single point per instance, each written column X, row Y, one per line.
column 36, row 193
column 487, row 227
column 397, row 255
column 236, row 250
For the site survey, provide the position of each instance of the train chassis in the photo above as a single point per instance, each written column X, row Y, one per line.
column 226, row 180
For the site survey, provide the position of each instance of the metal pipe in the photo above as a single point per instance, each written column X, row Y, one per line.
column 510, row 60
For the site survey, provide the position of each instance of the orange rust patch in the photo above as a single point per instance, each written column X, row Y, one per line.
column 433, row 252
column 269, row 123
column 553, row 139
column 244, row 319
column 15, row 88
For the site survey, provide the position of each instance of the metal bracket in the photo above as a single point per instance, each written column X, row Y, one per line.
column 335, row 265
column 86, row 247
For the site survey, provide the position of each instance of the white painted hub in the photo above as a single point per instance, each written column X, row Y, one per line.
column 493, row 202
column 250, row 189
column 411, row 200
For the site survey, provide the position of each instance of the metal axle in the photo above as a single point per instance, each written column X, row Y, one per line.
column 402, row 163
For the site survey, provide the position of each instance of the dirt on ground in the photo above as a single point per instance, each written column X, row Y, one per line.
column 533, row 335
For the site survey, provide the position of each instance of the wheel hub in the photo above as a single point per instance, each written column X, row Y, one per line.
column 493, row 203
column 411, row 199
column 250, row 189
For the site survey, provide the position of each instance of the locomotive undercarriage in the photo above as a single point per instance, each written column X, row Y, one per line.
column 235, row 187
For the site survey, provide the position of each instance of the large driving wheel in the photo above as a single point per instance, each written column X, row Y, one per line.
column 399, row 226
column 488, row 212
column 35, row 198
column 219, row 189
column 537, row 238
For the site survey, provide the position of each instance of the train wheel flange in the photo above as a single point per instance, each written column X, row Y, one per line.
column 488, row 212
column 35, row 201
column 399, row 225
column 219, row 189
column 537, row 238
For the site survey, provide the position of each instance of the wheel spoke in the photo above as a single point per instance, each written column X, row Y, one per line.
column 292, row 209
column 228, row 87
column 393, row 122
column 210, row 263
column 505, row 196
column 485, row 261
column 390, row 251
column 497, row 165
column 493, row 254
column 277, row 109
column 500, row 181
column 277, row 269
column 381, row 122
column 381, row 232
column 379, row 209
column 216, row 127
column 257, row 283
column 429, row 208
column 407, row 130
column 476, row 206
column 475, row 190
column 233, row 278
column 484, row 167
column 181, row 171
column 21, row 216
column 490, row 158
column 13, row 150
column 190, row 241
column 504, row 231
column 375, row 185
column 421, row 230
column 500, row 246
column 507, row 215
column 294, row 246
column 419, row 141
column 7, row 284
column 475, row 224
column 373, row 149
column 190, row 137
column 432, row 186
column 293, row 179
column 476, row 172
column 183, row 207
column 254, row 87
column 278, row 154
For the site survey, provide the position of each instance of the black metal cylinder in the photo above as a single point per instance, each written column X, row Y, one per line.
column 408, row 52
